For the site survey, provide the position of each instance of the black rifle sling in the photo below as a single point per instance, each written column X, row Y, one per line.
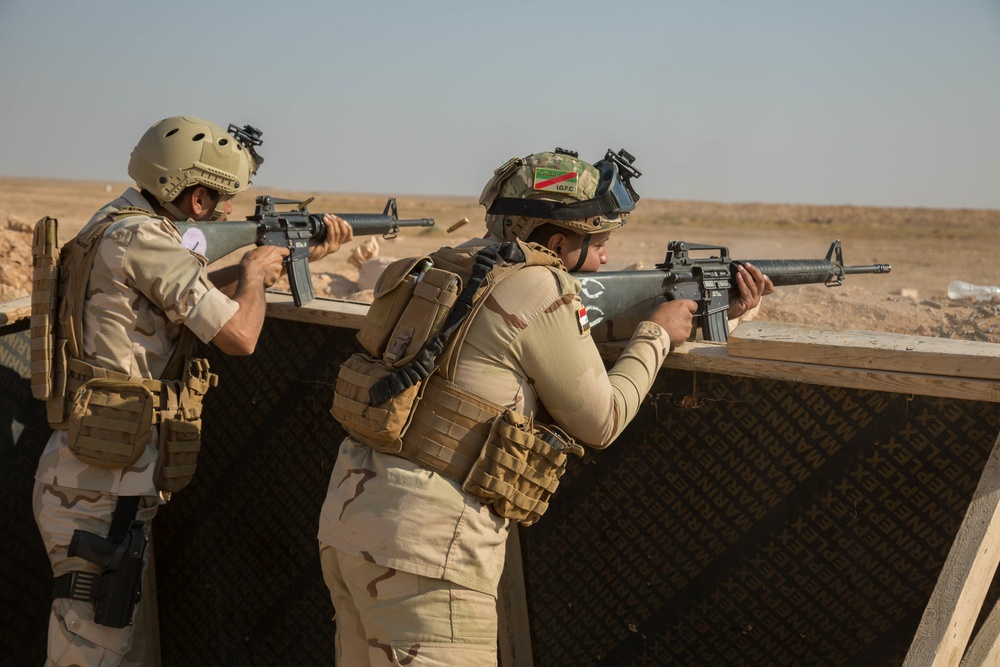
column 423, row 365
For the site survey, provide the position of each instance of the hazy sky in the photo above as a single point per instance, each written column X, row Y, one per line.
column 866, row 102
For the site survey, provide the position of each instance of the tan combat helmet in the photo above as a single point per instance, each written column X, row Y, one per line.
column 560, row 189
column 182, row 151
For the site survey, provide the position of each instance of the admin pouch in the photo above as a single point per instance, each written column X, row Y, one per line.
column 519, row 467
column 110, row 422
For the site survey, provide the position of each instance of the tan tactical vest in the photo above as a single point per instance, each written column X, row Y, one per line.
column 108, row 414
column 400, row 397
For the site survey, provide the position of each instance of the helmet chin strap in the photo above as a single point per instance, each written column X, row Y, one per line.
column 219, row 209
column 584, row 251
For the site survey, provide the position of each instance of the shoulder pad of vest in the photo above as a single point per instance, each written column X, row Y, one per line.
column 535, row 254
column 129, row 211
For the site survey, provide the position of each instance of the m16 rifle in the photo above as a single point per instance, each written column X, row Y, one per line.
column 292, row 228
column 711, row 281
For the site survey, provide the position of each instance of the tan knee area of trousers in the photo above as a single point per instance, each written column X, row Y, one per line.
column 431, row 654
column 75, row 639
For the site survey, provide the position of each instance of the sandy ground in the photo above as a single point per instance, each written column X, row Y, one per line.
column 927, row 248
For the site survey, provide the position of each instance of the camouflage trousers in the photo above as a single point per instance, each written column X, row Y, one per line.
column 74, row 638
column 386, row 617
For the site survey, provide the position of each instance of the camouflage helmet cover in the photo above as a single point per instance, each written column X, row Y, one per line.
column 182, row 151
column 556, row 176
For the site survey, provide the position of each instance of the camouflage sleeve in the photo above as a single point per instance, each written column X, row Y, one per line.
column 174, row 279
column 568, row 375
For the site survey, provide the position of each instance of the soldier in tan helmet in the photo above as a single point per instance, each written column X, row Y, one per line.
column 126, row 391
column 460, row 428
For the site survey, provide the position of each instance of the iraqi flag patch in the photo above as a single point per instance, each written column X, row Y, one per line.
column 581, row 315
column 556, row 180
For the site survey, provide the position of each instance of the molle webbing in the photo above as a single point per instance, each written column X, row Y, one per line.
column 44, row 303
column 78, row 372
column 423, row 365
column 497, row 456
column 448, row 430
column 500, row 457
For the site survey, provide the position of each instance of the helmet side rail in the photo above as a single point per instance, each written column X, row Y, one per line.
column 710, row 281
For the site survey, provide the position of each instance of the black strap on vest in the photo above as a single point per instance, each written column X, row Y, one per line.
column 422, row 365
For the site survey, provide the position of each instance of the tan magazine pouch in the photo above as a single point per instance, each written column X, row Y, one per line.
column 378, row 426
column 519, row 467
column 180, row 444
column 180, row 426
column 110, row 421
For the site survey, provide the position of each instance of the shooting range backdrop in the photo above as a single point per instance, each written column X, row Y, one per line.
column 736, row 521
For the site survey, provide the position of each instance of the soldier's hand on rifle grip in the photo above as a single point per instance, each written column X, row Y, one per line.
column 264, row 264
column 752, row 286
column 338, row 232
column 676, row 318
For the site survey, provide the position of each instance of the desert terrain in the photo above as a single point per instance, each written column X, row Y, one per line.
column 927, row 248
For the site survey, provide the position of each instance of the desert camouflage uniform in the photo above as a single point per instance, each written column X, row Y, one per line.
column 413, row 563
column 144, row 287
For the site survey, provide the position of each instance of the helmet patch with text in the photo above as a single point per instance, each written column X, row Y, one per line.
column 556, row 180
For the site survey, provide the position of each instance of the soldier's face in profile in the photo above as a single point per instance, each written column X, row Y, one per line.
column 597, row 252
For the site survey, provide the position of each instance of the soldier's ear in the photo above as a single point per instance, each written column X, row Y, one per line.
column 557, row 242
column 200, row 201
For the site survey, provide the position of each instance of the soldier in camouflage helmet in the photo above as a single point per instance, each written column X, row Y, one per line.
column 411, row 551
column 123, row 319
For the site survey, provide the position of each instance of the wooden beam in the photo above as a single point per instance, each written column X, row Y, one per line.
column 954, row 606
column 330, row 312
column 12, row 311
column 933, row 367
column 866, row 350
column 715, row 358
column 984, row 651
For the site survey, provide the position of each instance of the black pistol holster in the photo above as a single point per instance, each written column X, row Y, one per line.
column 114, row 591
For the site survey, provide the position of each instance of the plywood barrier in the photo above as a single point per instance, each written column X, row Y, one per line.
column 763, row 509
